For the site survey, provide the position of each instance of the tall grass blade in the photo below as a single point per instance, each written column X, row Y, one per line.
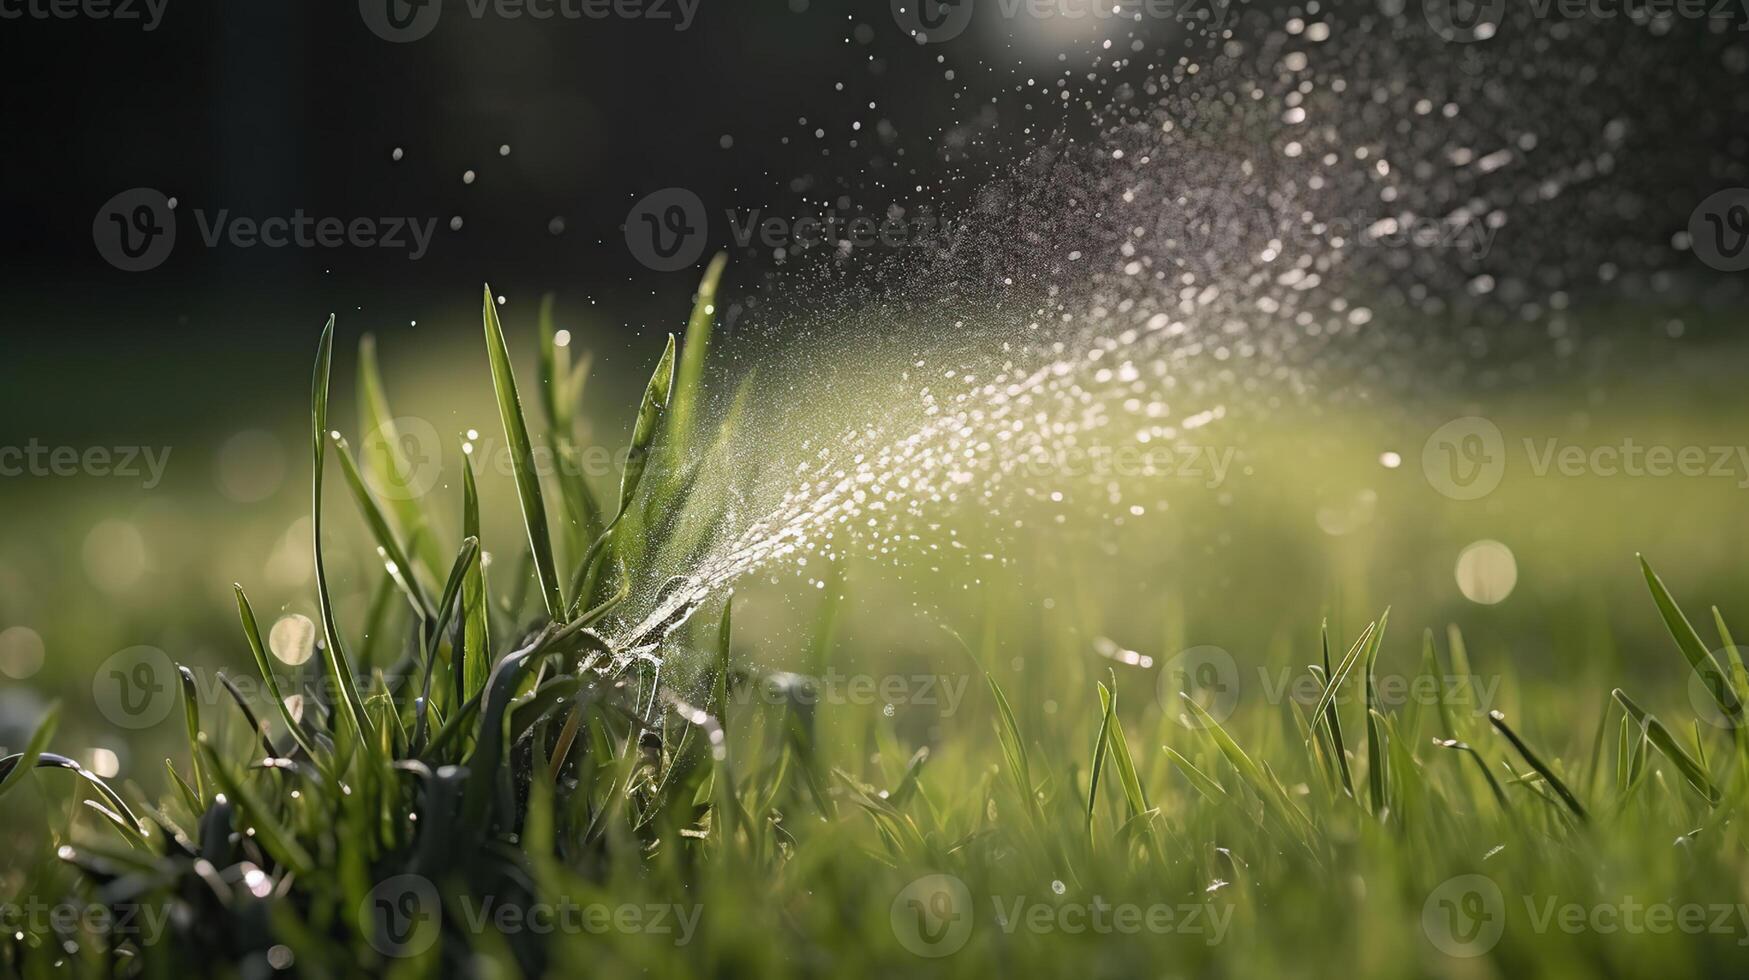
column 689, row 378
column 528, row 490
column 1689, row 642
column 338, row 667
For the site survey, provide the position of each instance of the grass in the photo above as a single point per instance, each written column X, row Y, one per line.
column 514, row 794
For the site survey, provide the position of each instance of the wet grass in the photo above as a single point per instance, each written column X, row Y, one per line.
column 440, row 812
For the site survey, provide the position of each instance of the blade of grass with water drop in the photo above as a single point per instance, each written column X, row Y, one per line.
column 399, row 565
column 1481, row 766
column 1689, row 642
column 561, row 388
column 1535, row 761
column 528, row 489
column 689, row 378
column 191, row 719
column 1660, row 737
column 338, row 667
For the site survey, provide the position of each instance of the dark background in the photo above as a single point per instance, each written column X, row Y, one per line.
column 268, row 106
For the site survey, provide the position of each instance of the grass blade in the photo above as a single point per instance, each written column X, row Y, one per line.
column 656, row 397
column 1659, row 736
column 1342, row 672
column 26, row 761
column 1689, row 642
column 252, row 633
column 528, row 491
column 1536, row 762
column 474, row 661
column 683, row 409
column 399, row 565
column 334, row 659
